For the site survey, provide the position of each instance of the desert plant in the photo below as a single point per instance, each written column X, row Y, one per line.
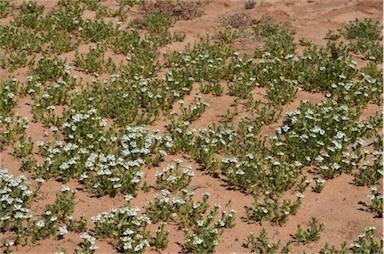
column 250, row 4
column 312, row 234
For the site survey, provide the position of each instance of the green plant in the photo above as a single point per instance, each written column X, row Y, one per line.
column 367, row 243
column 97, row 31
column 87, row 245
column 206, row 234
column 14, row 129
column 262, row 244
column 192, row 111
column 370, row 172
column 49, row 69
column 56, row 214
column 128, row 229
column 130, row 3
column 160, row 241
column 370, row 79
column 312, row 234
column 227, row 35
column 272, row 209
column 94, row 62
column 319, row 185
column 5, row 8
column 332, row 250
column 8, row 91
column 281, row 91
column 327, row 139
column 174, row 178
column 157, row 24
column 24, row 148
column 377, row 202
column 14, row 220
column 362, row 29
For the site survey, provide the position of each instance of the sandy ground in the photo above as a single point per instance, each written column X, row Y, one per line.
column 338, row 206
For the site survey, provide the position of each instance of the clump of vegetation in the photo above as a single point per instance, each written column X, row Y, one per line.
column 377, row 202
column 250, row 4
column 237, row 20
column 5, row 9
column 180, row 10
column 262, row 244
column 312, row 234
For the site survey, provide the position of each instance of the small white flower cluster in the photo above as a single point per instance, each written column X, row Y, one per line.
column 174, row 177
column 15, row 196
column 83, row 154
column 90, row 240
column 320, row 133
column 130, row 227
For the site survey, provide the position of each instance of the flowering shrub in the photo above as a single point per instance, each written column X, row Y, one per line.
column 272, row 209
column 201, row 234
column 15, row 215
column 367, row 242
column 16, row 198
column 8, row 90
column 377, row 202
column 125, row 226
column 174, row 178
column 107, row 162
column 322, row 134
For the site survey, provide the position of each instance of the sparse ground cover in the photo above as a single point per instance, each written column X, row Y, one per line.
column 128, row 126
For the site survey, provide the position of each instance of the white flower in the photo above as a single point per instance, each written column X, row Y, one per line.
column 96, row 218
column 128, row 232
column 93, row 247
column 40, row 223
column 320, row 180
column 63, row 230
column 319, row 158
column 40, row 180
column 355, row 245
column 240, row 172
column 335, row 166
column 54, row 129
column 178, row 200
column 373, row 189
column 128, row 197
column 171, row 179
column 197, row 241
column 65, row 188
column 165, row 193
column 178, row 161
